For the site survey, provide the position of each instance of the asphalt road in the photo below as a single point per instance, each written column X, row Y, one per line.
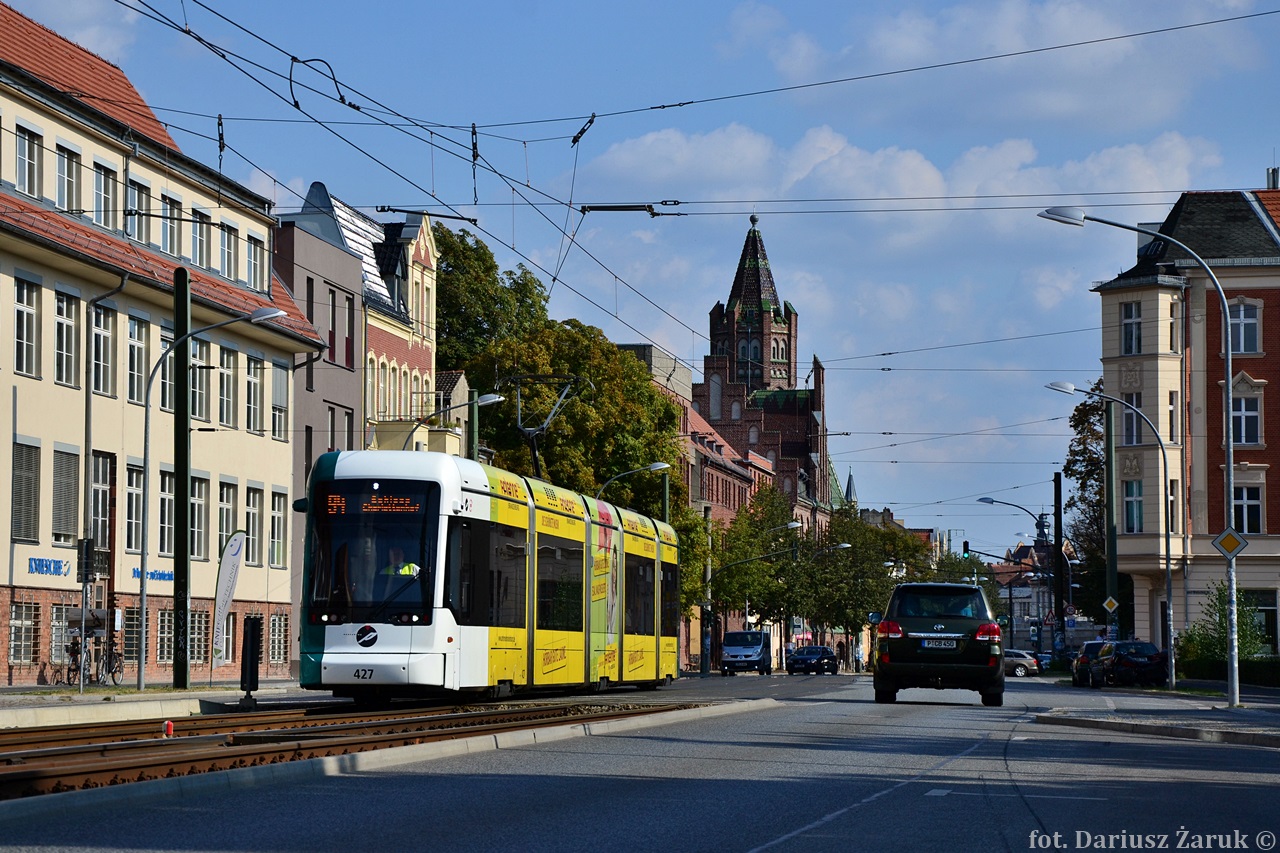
column 819, row 768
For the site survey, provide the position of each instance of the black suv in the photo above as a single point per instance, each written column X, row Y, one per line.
column 816, row 659
column 938, row 635
column 1081, row 663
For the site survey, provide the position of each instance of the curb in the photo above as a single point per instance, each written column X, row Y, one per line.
column 1185, row 732
column 137, row 793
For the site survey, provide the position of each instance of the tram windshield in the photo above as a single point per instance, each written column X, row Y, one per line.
column 373, row 549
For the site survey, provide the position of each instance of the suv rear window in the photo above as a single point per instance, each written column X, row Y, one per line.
column 934, row 602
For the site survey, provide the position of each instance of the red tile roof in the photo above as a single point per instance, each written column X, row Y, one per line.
column 74, row 237
column 70, row 68
column 1270, row 201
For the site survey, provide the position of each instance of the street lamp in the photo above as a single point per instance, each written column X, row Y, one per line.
column 1068, row 388
column 1042, row 538
column 485, row 400
column 1076, row 216
column 259, row 316
column 656, row 466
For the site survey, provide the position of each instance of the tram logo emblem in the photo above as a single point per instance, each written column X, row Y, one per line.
column 367, row 636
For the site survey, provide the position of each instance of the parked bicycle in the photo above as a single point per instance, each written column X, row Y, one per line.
column 69, row 672
column 110, row 665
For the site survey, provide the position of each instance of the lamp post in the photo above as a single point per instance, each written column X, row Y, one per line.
column 485, row 400
column 1042, row 538
column 656, row 466
column 1068, row 388
column 258, row 316
column 1076, row 216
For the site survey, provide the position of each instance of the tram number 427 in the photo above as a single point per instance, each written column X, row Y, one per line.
column 363, row 674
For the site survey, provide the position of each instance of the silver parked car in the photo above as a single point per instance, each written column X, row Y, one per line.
column 1020, row 663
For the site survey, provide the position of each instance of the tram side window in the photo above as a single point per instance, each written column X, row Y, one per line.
column 560, row 584
column 485, row 573
column 638, row 595
column 670, row 600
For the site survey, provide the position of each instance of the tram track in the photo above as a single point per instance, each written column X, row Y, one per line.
column 44, row 761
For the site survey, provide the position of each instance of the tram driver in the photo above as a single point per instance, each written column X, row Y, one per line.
column 398, row 565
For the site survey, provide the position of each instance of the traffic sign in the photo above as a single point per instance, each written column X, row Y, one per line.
column 1111, row 604
column 1071, row 623
column 1229, row 543
column 1070, row 610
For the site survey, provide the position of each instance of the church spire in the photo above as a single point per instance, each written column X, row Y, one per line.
column 753, row 289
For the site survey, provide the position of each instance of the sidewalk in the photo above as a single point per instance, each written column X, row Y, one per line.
column 1255, row 723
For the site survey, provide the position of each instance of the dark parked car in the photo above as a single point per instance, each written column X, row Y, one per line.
column 1020, row 663
column 939, row 635
column 1080, row 664
column 816, row 659
column 1129, row 662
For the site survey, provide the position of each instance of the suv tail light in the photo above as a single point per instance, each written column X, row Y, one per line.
column 889, row 630
column 989, row 632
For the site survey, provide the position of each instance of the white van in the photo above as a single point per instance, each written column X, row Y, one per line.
column 746, row 651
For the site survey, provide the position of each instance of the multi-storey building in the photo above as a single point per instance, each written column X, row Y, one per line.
column 1163, row 352
column 749, row 391
column 98, row 210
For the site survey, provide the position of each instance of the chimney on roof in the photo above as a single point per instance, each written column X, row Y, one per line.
column 1273, row 178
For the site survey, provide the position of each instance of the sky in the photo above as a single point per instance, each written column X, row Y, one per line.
column 896, row 154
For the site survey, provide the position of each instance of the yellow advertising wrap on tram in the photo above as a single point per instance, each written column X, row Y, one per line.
column 560, row 585
column 639, row 587
column 604, row 613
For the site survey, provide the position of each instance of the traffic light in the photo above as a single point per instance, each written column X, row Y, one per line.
column 964, row 552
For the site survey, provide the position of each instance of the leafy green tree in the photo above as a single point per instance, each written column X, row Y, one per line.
column 1086, row 511
column 756, row 559
column 476, row 304
column 1208, row 637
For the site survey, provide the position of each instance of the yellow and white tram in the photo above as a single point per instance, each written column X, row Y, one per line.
column 426, row 572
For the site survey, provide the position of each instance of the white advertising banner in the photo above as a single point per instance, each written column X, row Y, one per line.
column 228, row 570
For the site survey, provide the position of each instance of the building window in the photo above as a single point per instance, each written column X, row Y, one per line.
column 276, row 548
column 1132, row 421
column 199, row 518
column 1246, row 420
column 1173, row 506
column 167, row 482
column 24, row 633
column 278, row 634
column 138, row 370
column 280, row 402
column 199, row 380
column 1132, row 506
column 164, row 637
column 1130, row 328
column 100, row 504
column 104, row 327
column 253, row 395
column 198, row 645
column 137, row 215
column 59, row 633
column 1175, row 419
column 171, row 226
column 229, row 251
column 253, row 527
column 166, row 371
column 1175, row 339
column 226, row 513
column 68, row 180
column 1247, row 509
column 331, row 354
column 348, row 342
column 104, row 196
column 131, row 633
column 200, row 225
column 133, row 509
column 65, row 364
column 30, row 149
column 227, row 376
column 24, row 518
column 26, row 350
column 1263, row 602
column 257, row 264
column 1244, row 328
column 229, row 638
column 66, row 497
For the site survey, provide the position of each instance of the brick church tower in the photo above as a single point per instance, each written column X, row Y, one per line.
column 749, row 390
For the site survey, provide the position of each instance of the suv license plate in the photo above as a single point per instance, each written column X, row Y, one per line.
column 939, row 644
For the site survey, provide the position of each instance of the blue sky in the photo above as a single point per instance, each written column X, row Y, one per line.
column 895, row 152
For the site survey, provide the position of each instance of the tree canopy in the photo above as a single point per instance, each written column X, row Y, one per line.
column 476, row 304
